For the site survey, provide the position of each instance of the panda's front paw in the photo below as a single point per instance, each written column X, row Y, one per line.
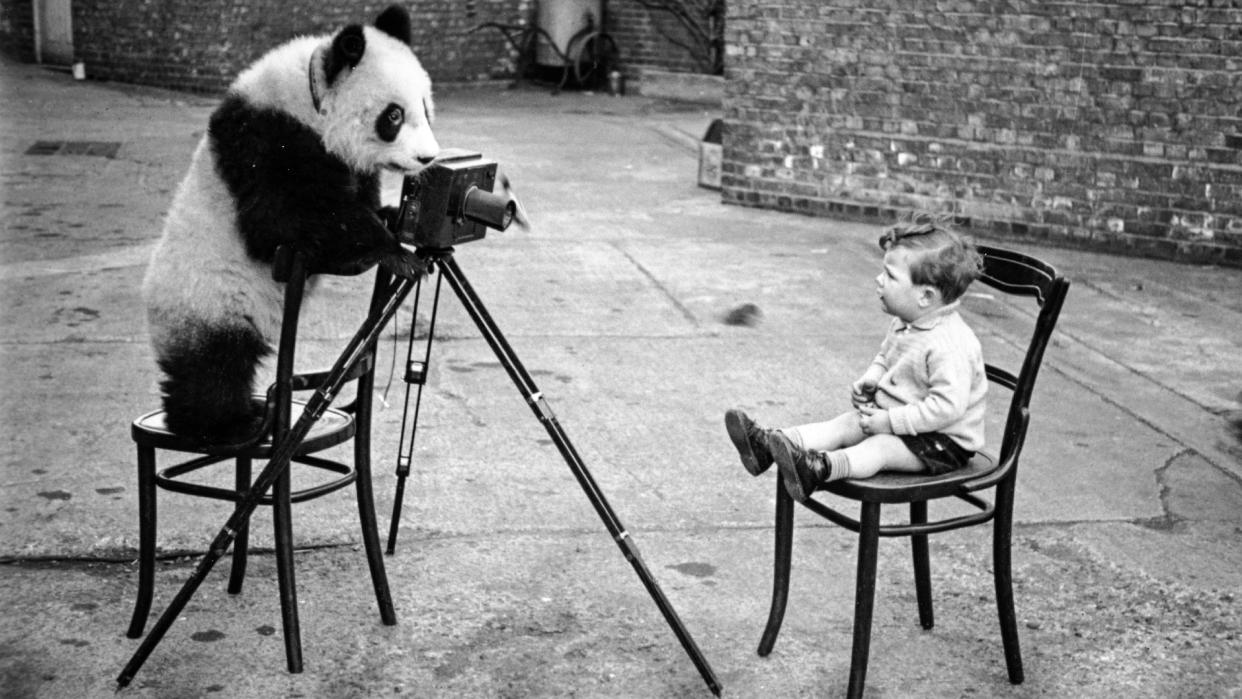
column 406, row 263
column 389, row 215
column 345, row 268
column 345, row 262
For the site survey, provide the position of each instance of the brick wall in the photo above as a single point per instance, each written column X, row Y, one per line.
column 202, row 45
column 17, row 29
column 641, row 35
column 1108, row 125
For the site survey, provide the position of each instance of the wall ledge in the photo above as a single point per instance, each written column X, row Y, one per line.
column 686, row 87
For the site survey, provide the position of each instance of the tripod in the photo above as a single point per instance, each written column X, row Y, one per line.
column 389, row 295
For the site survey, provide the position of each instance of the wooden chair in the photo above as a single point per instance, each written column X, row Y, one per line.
column 335, row 427
column 1014, row 274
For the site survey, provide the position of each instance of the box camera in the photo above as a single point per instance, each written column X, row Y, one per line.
column 451, row 201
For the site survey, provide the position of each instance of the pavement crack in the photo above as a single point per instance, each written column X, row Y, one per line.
column 658, row 285
column 1071, row 339
column 1068, row 336
column 1168, row 520
column 79, row 265
column 77, row 340
column 1136, row 372
column 1132, row 413
column 677, row 137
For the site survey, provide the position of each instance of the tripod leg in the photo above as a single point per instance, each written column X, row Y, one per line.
column 418, row 376
column 517, row 372
column 398, row 496
column 354, row 352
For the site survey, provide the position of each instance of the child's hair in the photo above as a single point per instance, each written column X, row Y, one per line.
column 946, row 259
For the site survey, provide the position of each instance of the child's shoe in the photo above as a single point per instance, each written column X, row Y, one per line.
column 750, row 440
column 803, row 471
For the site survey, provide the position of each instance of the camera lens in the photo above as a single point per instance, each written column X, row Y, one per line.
column 492, row 210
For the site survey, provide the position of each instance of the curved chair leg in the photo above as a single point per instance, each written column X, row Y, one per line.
column 780, row 574
column 366, row 500
column 282, row 517
column 864, row 596
column 922, row 566
column 1003, row 576
column 237, row 573
column 146, row 541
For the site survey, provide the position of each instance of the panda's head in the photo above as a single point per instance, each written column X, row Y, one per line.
column 374, row 97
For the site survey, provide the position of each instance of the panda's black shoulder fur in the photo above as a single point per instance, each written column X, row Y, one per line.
column 289, row 189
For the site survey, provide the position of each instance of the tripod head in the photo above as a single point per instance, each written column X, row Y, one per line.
column 451, row 201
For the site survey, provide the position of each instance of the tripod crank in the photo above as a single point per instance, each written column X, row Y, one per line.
column 355, row 352
column 526, row 385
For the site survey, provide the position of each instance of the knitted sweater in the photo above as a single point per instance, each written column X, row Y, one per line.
column 931, row 378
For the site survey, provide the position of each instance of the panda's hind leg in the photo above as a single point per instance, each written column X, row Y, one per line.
column 209, row 382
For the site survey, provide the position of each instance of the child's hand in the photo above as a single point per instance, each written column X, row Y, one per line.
column 862, row 392
column 874, row 420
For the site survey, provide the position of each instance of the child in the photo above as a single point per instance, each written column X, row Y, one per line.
column 919, row 407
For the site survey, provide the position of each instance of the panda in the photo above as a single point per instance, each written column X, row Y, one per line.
column 292, row 155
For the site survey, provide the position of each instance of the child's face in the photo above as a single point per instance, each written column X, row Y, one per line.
column 900, row 296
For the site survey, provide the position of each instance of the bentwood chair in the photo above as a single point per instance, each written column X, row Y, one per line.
column 335, row 427
column 1013, row 274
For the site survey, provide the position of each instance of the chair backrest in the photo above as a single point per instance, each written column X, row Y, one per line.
column 289, row 267
column 292, row 267
column 1016, row 274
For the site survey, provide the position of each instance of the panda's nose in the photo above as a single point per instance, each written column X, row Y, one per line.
column 426, row 160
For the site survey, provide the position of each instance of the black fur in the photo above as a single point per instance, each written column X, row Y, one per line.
column 209, row 373
column 347, row 49
column 388, row 123
column 395, row 22
column 287, row 189
column 290, row 190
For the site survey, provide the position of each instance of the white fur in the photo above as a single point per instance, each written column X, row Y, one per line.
column 199, row 269
column 388, row 73
column 280, row 80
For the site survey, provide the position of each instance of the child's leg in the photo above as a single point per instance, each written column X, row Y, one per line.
column 751, row 440
column 881, row 452
column 841, row 431
column 805, row 470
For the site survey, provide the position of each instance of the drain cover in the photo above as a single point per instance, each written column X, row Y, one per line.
column 102, row 149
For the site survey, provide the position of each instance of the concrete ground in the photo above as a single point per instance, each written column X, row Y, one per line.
column 1128, row 567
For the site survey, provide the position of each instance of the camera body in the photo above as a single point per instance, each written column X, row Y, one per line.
column 451, row 201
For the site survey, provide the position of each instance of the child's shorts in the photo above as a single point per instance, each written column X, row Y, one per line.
column 938, row 452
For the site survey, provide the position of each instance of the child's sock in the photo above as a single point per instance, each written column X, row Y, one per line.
column 839, row 465
column 835, row 464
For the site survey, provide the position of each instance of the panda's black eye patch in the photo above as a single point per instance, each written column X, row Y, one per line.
column 388, row 125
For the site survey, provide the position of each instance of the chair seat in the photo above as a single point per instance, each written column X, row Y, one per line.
column 891, row 487
column 332, row 428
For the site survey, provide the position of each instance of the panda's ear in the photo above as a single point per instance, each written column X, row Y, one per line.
column 395, row 22
column 347, row 49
